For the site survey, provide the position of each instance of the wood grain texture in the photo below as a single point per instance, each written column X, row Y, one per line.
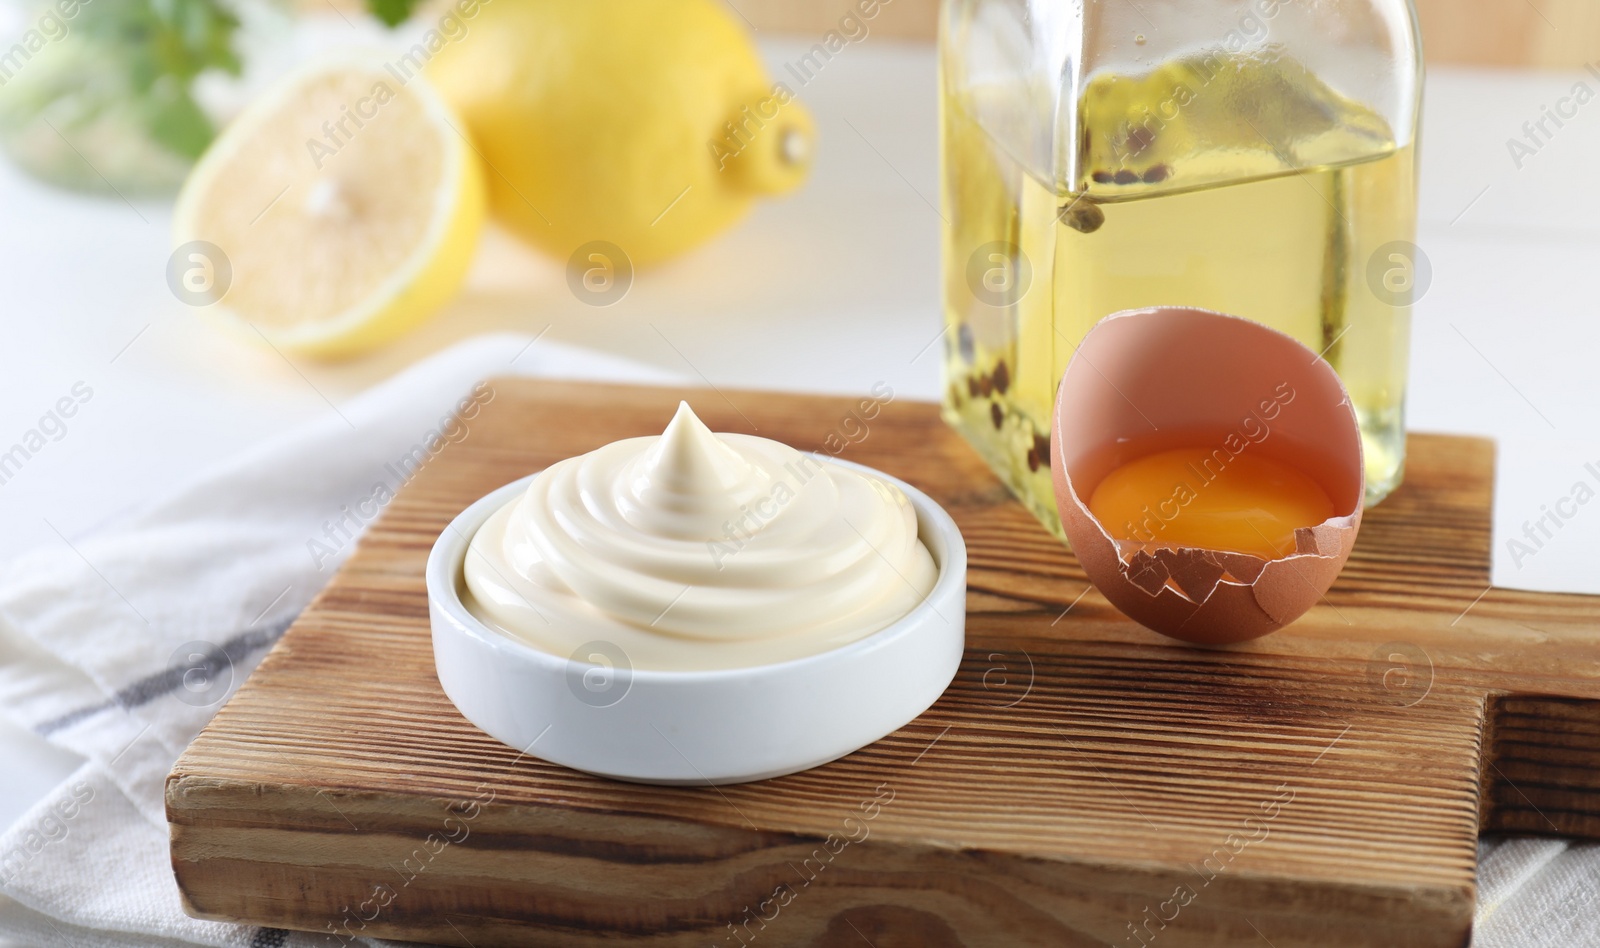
column 1083, row 781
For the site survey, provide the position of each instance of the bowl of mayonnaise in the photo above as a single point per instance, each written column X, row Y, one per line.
column 696, row 607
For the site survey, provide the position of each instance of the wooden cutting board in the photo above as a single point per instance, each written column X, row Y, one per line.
column 1083, row 781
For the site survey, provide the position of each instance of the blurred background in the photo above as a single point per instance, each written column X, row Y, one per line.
column 1511, row 33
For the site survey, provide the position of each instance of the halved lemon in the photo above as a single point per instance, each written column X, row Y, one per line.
column 344, row 206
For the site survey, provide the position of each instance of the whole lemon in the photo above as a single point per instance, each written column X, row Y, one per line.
column 649, row 124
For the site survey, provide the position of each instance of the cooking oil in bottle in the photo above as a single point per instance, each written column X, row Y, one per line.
column 1241, row 184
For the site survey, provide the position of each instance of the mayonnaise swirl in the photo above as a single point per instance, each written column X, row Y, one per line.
column 699, row 551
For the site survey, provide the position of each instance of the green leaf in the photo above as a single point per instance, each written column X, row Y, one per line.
column 392, row 12
column 160, row 47
column 144, row 56
column 177, row 121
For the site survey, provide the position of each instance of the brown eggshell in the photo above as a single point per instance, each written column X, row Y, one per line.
column 1151, row 379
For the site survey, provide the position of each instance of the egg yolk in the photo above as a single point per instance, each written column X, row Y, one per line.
column 1205, row 499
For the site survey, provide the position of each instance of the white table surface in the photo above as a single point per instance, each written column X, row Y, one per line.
column 832, row 290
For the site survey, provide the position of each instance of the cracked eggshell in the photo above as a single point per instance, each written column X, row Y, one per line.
column 1146, row 380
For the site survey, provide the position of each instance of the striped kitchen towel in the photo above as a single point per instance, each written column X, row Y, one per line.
column 119, row 646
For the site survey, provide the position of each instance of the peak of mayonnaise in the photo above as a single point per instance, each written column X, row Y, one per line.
column 690, row 458
column 689, row 482
column 694, row 550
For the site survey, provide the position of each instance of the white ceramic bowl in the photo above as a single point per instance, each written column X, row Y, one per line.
column 714, row 727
